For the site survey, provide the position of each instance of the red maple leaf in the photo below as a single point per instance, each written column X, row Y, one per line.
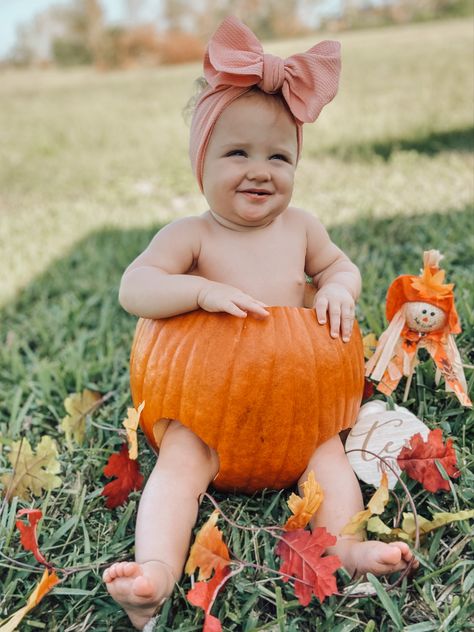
column 301, row 552
column 128, row 477
column 418, row 460
column 203, row 595
column 369, row 389
column 28, row 537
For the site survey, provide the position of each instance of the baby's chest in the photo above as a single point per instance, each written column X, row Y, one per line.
column 253, row 264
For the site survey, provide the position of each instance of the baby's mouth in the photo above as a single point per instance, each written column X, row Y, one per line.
column 255, row 192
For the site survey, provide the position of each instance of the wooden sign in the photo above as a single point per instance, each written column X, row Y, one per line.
column 383, row 432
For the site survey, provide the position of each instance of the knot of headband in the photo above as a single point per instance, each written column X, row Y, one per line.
column 235, row 61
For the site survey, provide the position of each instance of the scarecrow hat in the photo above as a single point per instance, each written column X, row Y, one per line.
column 428, row 287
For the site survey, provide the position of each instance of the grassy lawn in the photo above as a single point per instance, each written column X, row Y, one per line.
column 91, row 166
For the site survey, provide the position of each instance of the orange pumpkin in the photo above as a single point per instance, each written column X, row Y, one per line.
column 263, row 393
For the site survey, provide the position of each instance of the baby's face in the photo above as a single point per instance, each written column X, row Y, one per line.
column 250, row 161
column 424, row 317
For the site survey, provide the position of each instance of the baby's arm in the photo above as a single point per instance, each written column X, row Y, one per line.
column 157, row 284
column 336, row 278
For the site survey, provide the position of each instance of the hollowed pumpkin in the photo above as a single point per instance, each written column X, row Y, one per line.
column 263, row 393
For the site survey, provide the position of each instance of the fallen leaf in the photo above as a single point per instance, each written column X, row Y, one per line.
column 304, row 507
column 131, row 425
column 28, row 537
column 78, row 406
column 32, row 472
column 376, row 505
column 440, row 519
column 301, row 552
column 369, row 343
column 208, row 551
column 203, row 595
column 44, row 586
column 128, row 478
column 369, row 389
column 419, row 460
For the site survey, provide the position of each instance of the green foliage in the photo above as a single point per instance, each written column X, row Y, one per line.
column 393, row 173
column 69, row 52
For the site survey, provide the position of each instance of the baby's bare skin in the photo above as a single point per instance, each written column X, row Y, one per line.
column 251, row 251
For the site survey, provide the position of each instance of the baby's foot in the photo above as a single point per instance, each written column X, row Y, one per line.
column 372, row 556
column 139, row 588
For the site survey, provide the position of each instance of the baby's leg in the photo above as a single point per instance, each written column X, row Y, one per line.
column 166, row 516
column 342, row 499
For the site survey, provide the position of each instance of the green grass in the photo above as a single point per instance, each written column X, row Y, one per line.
column 389, row 166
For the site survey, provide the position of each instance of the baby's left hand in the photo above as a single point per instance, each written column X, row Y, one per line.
column 335, row 299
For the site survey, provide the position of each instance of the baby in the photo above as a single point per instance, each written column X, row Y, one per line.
column 250, row 250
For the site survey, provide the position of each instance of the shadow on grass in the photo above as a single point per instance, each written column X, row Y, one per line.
column 79, row 292
column 461, row 140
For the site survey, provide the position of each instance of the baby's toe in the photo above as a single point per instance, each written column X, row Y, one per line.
column 130, row 569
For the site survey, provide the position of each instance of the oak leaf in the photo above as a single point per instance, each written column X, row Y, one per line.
column 128, row 478
column 44, row 586
column 375, row 506
column 28, row 538
column 32, row 472
column 301, row 552
column 78, row 406
column 203, row 594
column 131, row 424
column 208, row 551
column 303, row 507
column 419, row 460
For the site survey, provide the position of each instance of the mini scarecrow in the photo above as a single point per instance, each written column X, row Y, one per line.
column 422, row 315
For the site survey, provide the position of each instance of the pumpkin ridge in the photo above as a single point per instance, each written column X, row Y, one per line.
column 314, row 351
column 291, row 414
column 144, row 329
column 187, row 347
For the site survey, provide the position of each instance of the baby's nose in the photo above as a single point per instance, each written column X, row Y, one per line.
column 258, row 171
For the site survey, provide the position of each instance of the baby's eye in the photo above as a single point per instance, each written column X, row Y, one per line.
column 279, row 157
column 236, row 152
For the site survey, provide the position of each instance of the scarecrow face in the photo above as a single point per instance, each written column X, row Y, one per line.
column 424, row 317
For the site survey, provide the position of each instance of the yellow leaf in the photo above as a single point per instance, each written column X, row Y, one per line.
column 43, row 587
column 78, row 406
column 379, row 500
column 376, row 505
column 32, row 472
column 369, row 343
column 208, row 551
column 375, row 525
column 357, row 522
column 303, row 507
column 131, row 425
column 440, row 519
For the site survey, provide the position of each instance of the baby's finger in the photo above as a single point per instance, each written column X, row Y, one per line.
column 335, row 320
column 321, row 307
column 347, row 322
column 252, row 305
column 232, row 309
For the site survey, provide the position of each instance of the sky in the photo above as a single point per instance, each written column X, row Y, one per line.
column 16, row 12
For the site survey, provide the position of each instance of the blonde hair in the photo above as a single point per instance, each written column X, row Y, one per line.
column 201, row 85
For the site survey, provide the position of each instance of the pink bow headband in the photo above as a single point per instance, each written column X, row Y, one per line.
column 235, row 61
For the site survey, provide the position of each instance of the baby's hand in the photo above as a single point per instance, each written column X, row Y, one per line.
column 219, row 297
column 336, row 300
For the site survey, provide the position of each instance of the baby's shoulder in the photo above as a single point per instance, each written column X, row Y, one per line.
column 299, row 217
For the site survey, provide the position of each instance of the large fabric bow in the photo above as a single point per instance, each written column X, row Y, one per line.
column 308, row 81
column 235, row 61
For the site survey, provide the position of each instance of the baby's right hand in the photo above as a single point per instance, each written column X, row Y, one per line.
column 219, row 297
